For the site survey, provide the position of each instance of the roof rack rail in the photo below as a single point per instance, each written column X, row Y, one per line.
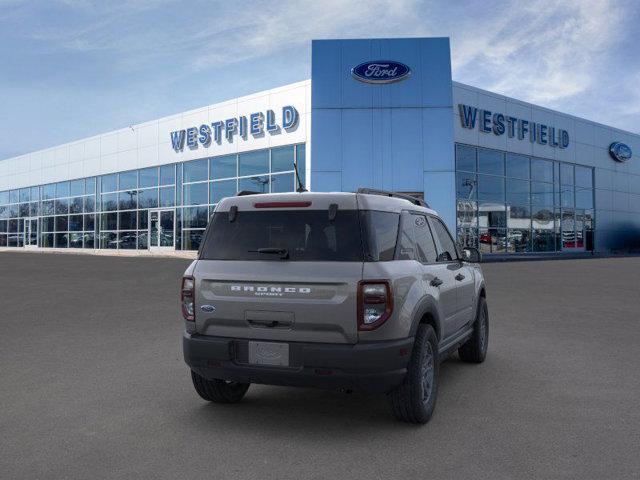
column 385, row 193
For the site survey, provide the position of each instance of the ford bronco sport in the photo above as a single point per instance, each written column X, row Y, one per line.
column 356, row 291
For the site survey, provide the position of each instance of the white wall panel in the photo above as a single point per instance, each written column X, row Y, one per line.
column 91, row 166
column 76, row 151
column 585, row 154
column 109, row 162
column 77, row 167
column 466, row 96
column 148, row 155
column 585, row 132
column 195, row 118
column 147, row 134
column 109, row 143
column 61, row 155
column 127, row 139
column 634, row 184
column 92, row 148
column 127, row 160
column 604, row 136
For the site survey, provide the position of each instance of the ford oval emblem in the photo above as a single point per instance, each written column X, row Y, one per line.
column 620, row 151
column 380, row 71
column 208, row 308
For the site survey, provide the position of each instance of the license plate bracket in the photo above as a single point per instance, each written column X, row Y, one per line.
column 269, row 353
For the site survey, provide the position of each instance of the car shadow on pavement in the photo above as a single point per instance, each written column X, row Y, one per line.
column 281, row 409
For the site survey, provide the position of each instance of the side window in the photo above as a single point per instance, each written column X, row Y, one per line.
column 406, row 240
column 424, row 241
column 446, row 246
column 381, row 233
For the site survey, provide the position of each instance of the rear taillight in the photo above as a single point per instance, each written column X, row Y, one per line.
column 187, row 298
column 375, row 303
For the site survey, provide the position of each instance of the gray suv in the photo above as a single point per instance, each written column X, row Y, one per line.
column 356, row 291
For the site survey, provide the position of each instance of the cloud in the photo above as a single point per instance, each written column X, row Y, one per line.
column 217, row 33
column 94, row 26
column 264, row 31
column 543, row 52
column 557, row 54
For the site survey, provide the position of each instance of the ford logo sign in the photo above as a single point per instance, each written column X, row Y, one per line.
column 620, row 152
column 380, row 71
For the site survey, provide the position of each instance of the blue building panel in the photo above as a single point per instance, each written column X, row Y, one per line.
column 405, row 158
column 353, row 93
column 328, row 181
column 389, row 123
column 383, row 164
column 436, row 73
column 407, row 93
column 326, row 125
column 358, row 152
column 326, row 69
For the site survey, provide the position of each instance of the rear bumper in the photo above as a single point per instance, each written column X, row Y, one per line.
column 369, row 367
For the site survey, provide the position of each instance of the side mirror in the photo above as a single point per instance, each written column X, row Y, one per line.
column 471, row 255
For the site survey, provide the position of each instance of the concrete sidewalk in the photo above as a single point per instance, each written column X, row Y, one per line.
column 105, row 252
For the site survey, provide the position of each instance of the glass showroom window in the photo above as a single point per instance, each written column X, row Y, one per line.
column 509, row 203
column 4, row 218
column 518, row 195
column 260, row 171
column 467, row 194
column 195, row 191
column 126, row 198
column 63, row 209
column 492, row 213
column 112, row 211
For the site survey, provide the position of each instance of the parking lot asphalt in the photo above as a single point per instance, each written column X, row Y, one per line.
column 93, row 385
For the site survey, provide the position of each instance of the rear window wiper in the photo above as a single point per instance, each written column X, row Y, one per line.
column 283, row 252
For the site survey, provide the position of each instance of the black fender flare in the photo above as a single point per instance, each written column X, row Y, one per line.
column 479, row 293
column 427, row 305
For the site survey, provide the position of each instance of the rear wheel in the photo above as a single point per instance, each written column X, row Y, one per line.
column 414, row 401
column 219, row 391
column 474, row 350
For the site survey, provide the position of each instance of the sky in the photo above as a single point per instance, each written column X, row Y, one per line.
column 70, row 69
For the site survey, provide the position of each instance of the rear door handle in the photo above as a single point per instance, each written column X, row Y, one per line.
column 460, row 277
column 436, row 282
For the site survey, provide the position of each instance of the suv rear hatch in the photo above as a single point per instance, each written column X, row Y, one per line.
column 281, row 267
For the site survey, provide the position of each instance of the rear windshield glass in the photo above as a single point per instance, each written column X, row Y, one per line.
column 301, row 235
column 306, row 235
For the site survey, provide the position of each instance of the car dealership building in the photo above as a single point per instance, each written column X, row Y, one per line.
column 506, row 176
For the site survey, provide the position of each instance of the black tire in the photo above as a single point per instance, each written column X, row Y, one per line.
column 415, row 400
column 219, row 391
column 474, row 350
